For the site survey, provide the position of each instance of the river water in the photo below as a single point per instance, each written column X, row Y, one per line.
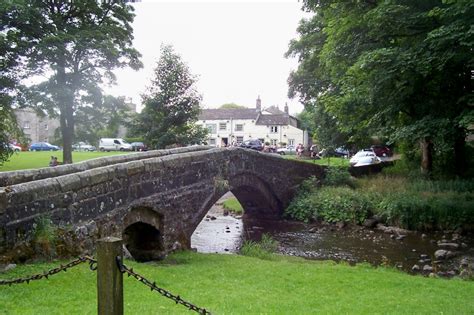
column 408, row 251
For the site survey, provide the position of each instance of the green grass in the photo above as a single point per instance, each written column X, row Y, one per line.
column 34, row 160
column 229, row 284
column 233, row 205
column 333, row 161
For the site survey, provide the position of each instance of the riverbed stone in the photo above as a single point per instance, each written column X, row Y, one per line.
column 427, row 268
column 449, row 245
column 441, row 254
column 415, row 268
column 400, row 237
column 424, row 256
column 370, row 223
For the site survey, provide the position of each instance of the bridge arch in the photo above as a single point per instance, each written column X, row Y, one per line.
column 143, row 233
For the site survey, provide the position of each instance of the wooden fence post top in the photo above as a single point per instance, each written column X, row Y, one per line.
column 109, row 277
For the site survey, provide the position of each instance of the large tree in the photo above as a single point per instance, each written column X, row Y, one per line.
column 71, row 48
column 171, row 105
column 395, row 68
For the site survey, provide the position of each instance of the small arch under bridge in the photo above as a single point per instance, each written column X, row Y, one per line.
column 154, row 200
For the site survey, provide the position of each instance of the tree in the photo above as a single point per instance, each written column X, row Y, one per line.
column 395, row 68
column 171, row 105
column 73, row 46
column 231, row 106
column 102, row 120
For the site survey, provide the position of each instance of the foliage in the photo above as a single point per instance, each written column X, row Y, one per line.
column 231, row 106
column 233, row 205
column 102, row 120
column 264, row 249
column 35, row 160
column 411, row 203
column 338, row 176
column 73, row 46
column 267, row 287
column 397, row 69
column 171, row 105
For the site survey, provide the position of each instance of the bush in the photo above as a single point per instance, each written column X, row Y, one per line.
column 263, row 249
column 338, row 176
column 427, row 212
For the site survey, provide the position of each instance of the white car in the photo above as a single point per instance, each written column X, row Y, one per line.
column 363, row 158
column 288, row 150
column 82, row 146
column 14, row 148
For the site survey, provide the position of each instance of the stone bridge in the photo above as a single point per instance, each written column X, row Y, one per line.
column 153, row 200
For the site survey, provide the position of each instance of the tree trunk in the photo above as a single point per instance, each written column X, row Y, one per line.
column 426, row 155
column 66, row 108
column 460, row 153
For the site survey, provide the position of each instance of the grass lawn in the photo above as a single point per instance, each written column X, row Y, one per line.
column 233, row 205
column 332, row 161
column 230, row 284
column 32, row 160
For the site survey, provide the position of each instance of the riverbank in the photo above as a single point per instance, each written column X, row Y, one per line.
column 235, row 284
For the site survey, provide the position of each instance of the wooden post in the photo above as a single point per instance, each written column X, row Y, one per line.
column 109, row 277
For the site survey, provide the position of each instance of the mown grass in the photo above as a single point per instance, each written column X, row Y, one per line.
column 233, row 205
column 230, row 284
column 34, row 160
column 331, row 161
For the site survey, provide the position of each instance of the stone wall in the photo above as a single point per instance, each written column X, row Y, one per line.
column 167, row 196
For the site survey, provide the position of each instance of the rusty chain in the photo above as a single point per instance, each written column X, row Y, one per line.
column 163, row 292
column 92, row 265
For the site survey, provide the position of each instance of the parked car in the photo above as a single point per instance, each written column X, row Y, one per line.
column 363, row 158
column 82, row 146
column 114, row 144
column 381, row 150
column 341, row 152
column 14, row 147
column 290, row 149
column 253, row 144
column 43, row 146
column 138, row 146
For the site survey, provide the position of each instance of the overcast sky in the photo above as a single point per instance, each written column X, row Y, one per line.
column 235, row 47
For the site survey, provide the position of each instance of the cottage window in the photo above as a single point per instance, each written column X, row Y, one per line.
column 211, row 127
column 26, row 125
column 239, row 140
column 273, row 142
column 273, row 129
column 45, row 126
column 239, row 127
column 212, row 141
column 291, row 141
column 222, row 126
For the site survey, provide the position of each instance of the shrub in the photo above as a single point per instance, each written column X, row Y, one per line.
column 44, row 236
column 338, row 176
column 263, row 249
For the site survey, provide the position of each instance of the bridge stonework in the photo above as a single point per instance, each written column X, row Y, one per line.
column 154, row 201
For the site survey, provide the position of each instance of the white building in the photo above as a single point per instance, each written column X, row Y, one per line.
column 227, row 126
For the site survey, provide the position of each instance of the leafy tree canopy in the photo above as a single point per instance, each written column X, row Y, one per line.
column 71, row 47
column 396, row 68
column 231, row 106
column 171, row 105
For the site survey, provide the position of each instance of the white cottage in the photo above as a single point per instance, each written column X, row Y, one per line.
column 227, row 126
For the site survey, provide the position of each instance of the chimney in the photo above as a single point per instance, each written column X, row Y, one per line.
column 286, row 108
column 259, row 104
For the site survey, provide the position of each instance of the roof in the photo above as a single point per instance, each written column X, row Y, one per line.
column 273, row 120
column 228, row 113
column 274, row 110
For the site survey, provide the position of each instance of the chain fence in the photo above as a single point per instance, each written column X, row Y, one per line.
column 92, row 265
column 152, row 285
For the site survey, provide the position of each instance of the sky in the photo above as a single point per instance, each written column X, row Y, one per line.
column 236, row 48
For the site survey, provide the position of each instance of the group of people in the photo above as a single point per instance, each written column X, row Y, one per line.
column 53, row 161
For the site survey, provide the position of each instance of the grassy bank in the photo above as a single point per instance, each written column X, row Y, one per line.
column 226, row 284
column 33, row 160
column 233, row 205
column 331, row 161
column 410, row 203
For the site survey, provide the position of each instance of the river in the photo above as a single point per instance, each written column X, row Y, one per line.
column 413, row 252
